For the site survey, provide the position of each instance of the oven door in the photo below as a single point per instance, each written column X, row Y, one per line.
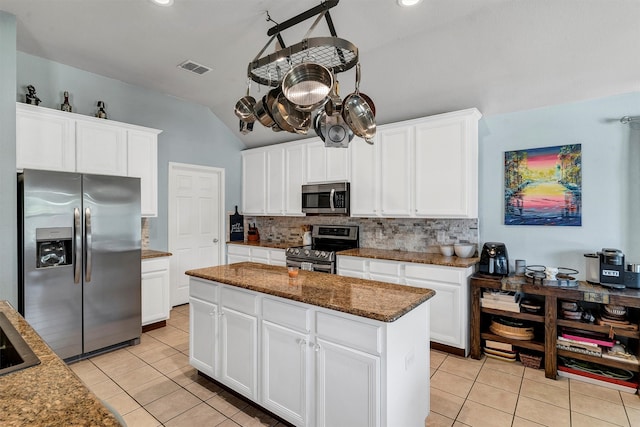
column 326, row 199
column 304, row 265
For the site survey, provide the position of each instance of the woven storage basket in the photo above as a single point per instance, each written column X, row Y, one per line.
column 530, row 360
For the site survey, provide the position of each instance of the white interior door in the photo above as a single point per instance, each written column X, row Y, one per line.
column 196, row 223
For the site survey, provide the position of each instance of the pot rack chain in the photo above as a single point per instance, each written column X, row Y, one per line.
column 332, row 52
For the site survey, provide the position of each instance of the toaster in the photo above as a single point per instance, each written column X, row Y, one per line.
column 494, row 259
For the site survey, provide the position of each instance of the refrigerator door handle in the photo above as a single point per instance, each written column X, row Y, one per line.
column 87, row 244
column 77, row 230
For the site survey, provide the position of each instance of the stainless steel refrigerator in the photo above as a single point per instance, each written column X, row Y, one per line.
column 79, row 274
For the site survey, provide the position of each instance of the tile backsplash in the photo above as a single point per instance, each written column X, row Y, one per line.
column 406, row 234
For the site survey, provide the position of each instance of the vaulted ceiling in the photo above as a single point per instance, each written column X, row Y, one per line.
column 441, row 55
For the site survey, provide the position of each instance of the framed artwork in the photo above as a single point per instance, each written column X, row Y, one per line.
column 543, row 186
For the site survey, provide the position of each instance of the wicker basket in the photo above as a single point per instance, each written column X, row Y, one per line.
column 530, row 360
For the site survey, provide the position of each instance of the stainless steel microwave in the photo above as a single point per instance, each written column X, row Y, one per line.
column 326, row 199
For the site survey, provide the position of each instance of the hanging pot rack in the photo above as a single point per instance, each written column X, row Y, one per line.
column 334, row 53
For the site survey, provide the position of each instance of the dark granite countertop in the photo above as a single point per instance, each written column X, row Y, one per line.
column 264, row 244
column 366, row 298
column 48, row 394
column 417, row 257
column 150, row 253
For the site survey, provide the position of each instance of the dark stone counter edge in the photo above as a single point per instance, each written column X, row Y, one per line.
column 150, row 253
column 424, row 295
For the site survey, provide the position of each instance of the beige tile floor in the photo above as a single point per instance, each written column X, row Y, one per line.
column 152, row 384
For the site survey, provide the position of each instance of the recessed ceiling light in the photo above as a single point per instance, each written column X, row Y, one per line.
column 407, row 3
column 162, row 2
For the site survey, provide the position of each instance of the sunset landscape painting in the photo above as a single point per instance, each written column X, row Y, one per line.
column 543, row 186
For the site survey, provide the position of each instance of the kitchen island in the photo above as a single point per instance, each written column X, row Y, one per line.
column 316, row 349
column 47, row 394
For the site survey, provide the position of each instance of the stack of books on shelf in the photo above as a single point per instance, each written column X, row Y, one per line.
column 499, row 350
column 584, row 342
column 507, row 301
column 578, row 346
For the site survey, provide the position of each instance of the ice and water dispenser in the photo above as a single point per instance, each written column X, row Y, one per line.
column 54, row 246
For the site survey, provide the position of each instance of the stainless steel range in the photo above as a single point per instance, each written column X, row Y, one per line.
column 326, row 240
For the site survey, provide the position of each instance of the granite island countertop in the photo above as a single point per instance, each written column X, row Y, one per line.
column 417, row 257
column 381, row 301
column 48, row 394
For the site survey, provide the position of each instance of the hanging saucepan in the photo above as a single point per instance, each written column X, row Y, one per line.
column 307, row 85
column 272, row 97
column 358, row 114
column 245, row 107
column 272, row 102
column 262, row 114
column 320, row 117
column 300, row 121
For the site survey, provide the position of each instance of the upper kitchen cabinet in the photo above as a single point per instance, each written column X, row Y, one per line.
column 101, row 148
column 419, row 168
column 55, row 140
column 327, row 164
column 45, row 139
column 272, row 178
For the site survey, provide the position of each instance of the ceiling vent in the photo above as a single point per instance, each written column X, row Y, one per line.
column 194, row 67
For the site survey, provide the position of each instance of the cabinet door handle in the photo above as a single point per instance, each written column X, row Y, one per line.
column 316, row 348
column 302, row 342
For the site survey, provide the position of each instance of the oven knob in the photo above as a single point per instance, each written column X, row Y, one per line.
column 317, row 253
column 323, row 254
column 297, row 251
column 306, row 252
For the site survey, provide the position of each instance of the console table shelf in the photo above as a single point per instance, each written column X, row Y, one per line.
column 549, row 321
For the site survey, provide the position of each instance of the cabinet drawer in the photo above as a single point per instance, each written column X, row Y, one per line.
column 157, row 264
column 289, row 315
column 239, row 250
column 203, row 289
column 354, row 264
column 239, row 300
column 388, row 268
column 260, row 254
column 278, row 255
column 437, row 274
column 352, row 333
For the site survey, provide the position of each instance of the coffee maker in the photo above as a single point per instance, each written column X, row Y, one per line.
column 612, row 268
column 494, row 259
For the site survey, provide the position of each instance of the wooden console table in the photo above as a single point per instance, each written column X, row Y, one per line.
column 584, row 292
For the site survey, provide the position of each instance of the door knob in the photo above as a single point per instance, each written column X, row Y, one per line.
column 215, row 240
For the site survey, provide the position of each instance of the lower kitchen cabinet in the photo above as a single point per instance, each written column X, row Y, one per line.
column 449, row 307
column 315, row 367
column 203, row 337
column 348, row 386
column 261, row 254
column 155, row 290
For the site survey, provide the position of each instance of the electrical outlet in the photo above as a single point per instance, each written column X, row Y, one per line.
column 441, row 236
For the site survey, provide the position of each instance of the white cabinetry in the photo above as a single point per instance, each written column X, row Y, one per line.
column 223, row 342
column 155, row 290
column 285, row 366
column 317, row 367
column 419, row 168
column 239, row 341
column 271, row 180
column 142, row 150
column 44, row 139
column 55, row 140
column 101, row 148
column 327, row 164
column 450, row 305
column 263, row 255
column 204, row 315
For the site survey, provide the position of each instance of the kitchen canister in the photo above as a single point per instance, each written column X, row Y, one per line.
column 593, row 268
